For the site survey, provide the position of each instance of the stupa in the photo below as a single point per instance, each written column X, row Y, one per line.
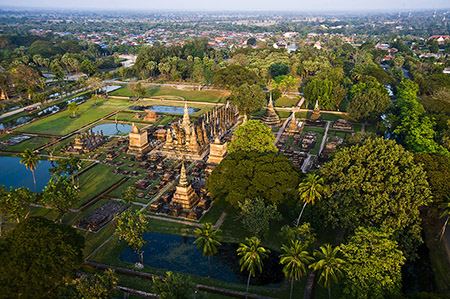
column 138, row 141
column 315, row 119
column 294, row 127
column 217, row 152
column 184, row 196
column 270, row 117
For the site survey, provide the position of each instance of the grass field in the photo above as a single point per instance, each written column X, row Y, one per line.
column 214, row 96
column 32, row 143
column 286, row 102
column 96, row 180
column 61, row 123
column 203, row 108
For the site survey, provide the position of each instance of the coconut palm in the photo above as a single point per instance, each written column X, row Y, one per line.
column 295, row 260
column 30, row 160
column 445, row 213
column 207, row 240
column 328, row 266
column 310, row 191
column 252, row 256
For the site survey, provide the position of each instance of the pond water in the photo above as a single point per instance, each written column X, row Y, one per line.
column 165, row 109
column 179, row 254
column 112, row 129
column 49, row 110
column 109, row 88
column 13, row 174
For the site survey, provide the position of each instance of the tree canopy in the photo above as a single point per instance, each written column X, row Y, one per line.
column 377, row 183
column 38, row 257
column 250, row 174
column 373, row 265
column 368, row 100
column 253, row 135
column 248, row 98
column 235, row 75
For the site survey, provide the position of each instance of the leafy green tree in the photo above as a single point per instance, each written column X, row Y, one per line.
column 73, row 107
column 14, row 203
column 30, row 160
column 66, row 166
column 295, row 260
column 250, row 174
column 320, row 90
column 25, row 79
column 207, row 240
column 60, row 194
column 252, row 135
column 235, row 75
column 97, row 286
column 248, row 98
column 368, row 100
column 303, row 233
column 129, row 194
column 328, row 266
column 310, row 190
column 278, row 69
column 174, row 286
column 38, row 258
column 373, row 265
column 251, row 257
column 255, row 215
column 88, row 67
column 377, row 183
column 285, row 83
column 252, row 41
column 131, row 225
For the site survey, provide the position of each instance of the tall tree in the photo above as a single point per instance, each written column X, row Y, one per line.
column 251, row 257
column 248, row 98
column 376, row 183
column 60, row 194
column 73, row 107
column 38, row 258
column 30, row 160
column 256, row 215
column 253, row 135
column 295, row 260
column 131, row 225
column 129, row 194
column 368, row 100
column 328, row 266
column 310, row 191
column 14, row 203
column 173, row 286
column 207, row 240
column 373, row 265
column 244, row 175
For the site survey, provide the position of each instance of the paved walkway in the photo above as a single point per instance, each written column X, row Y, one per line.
column 324, row 139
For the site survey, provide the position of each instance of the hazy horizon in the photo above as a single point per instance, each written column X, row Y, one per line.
column 233, row 5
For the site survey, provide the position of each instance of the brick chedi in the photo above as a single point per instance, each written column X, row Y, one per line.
column 270, row 117
column 138, row 141
column 184, row 196
column 217, row 152
column 293, row 126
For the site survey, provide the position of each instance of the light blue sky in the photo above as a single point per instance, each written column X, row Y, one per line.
column 236, row 5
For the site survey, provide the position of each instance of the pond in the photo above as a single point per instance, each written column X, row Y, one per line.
column 109, row 88
column 13, row 174
column 112, row 129
column 47, row 111
column 179, row 254
column 165, row 109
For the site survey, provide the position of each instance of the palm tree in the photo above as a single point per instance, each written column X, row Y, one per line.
column 328, row 266
column 310, row 191
column 295, row 259
column 252, row 256
column 445, row 213
column 30, row 160
column 207, row 240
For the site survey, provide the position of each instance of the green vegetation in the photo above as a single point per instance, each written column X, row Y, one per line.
column 213, row 96
column 61, row 124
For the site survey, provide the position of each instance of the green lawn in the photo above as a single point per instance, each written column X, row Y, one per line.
column 203, row 108
column 171, row 93
column 31, row 143
column 286, row 102
column 61, row 123
column 96, row 180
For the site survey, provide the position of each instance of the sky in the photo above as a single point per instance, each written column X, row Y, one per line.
column 234, row 5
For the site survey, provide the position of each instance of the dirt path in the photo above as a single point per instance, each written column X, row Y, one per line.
column 324, row 139
column 281, row 130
